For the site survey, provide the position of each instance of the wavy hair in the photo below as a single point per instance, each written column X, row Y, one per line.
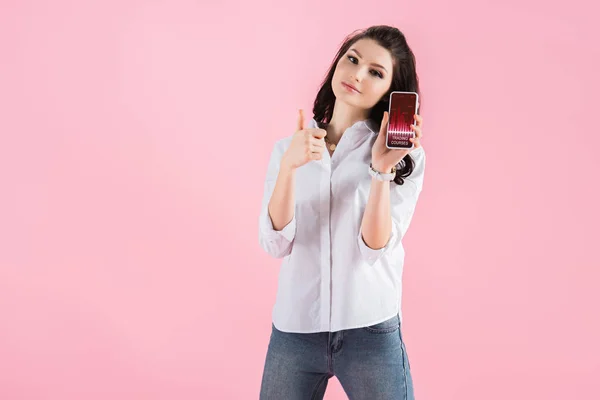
column 404, row 78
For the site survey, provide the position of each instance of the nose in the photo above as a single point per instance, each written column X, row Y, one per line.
column 360, row 74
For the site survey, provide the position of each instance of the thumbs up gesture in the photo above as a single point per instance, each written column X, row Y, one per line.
column 307, row 144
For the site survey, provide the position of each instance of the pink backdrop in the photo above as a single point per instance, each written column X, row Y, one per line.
column 134, row 141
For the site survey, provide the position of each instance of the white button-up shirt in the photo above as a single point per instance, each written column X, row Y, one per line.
column 329, row 278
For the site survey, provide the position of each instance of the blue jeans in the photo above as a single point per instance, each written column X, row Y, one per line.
column 370, row 363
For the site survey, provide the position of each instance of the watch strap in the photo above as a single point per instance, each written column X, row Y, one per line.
column 382, row 176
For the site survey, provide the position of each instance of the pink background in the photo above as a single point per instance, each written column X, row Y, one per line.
column 134, row 142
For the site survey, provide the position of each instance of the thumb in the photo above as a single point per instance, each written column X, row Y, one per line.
column 300, row 119
column 384, row 123
column 382, row 129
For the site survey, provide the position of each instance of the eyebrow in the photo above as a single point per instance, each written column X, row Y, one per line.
column 376, row 65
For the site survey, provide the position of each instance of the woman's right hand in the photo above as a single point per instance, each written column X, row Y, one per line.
column 307, row 145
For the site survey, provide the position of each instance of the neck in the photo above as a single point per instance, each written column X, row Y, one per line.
column 344, row 116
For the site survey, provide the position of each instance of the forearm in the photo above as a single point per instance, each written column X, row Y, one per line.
column 376, row 223
column 282, row 202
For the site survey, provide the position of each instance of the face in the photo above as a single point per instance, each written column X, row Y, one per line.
column 368, row 68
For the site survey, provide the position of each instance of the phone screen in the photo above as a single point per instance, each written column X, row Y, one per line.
column 402, row 110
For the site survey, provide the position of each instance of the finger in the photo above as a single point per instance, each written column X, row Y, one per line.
column 313, row 139
column 417, row 130
column 300, row 120
column 316, row 156
column 419, row 120
column 416, row 142
column 317, row 143
column 316, row 148
column 319, row 133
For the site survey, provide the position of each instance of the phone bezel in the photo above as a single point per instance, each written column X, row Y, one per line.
column 412, row 145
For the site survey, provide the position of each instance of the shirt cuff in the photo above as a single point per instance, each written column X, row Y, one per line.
column 370, row 255
column 267, row 229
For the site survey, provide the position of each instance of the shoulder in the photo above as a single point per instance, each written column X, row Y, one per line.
column 418, row 157
column 277, row 151
column 418, row 154
column 414, row 182
column 281, row 145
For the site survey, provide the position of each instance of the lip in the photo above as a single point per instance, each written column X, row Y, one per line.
column 350, row 87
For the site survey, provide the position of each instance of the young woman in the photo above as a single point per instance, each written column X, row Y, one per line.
column 336, row 205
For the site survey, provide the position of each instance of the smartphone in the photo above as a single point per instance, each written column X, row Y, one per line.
column 403, row 107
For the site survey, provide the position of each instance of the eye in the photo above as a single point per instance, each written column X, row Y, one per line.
column 376, row 73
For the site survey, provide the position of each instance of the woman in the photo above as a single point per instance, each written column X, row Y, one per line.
column 338, row 227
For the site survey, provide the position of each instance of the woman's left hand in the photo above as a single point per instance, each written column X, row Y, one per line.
column 385, row 159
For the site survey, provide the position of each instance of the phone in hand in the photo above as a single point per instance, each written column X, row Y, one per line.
column 403, row 107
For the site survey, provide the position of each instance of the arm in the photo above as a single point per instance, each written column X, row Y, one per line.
column 282, row 203
column 389, row 211
column 277, row 223
column 278, row 219
column 376, row 226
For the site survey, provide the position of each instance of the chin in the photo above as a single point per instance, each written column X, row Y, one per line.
column 350, row 100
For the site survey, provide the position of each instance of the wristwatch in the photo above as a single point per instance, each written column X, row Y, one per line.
column 380, row 176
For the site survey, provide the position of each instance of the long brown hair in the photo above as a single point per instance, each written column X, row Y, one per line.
column 404, row 78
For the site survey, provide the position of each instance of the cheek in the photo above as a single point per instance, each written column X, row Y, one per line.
column 339, row 70
column 380, row 89
column 377, row 90
column 336, row 73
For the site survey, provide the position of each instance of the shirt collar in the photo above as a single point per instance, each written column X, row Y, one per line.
column 361, row 128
